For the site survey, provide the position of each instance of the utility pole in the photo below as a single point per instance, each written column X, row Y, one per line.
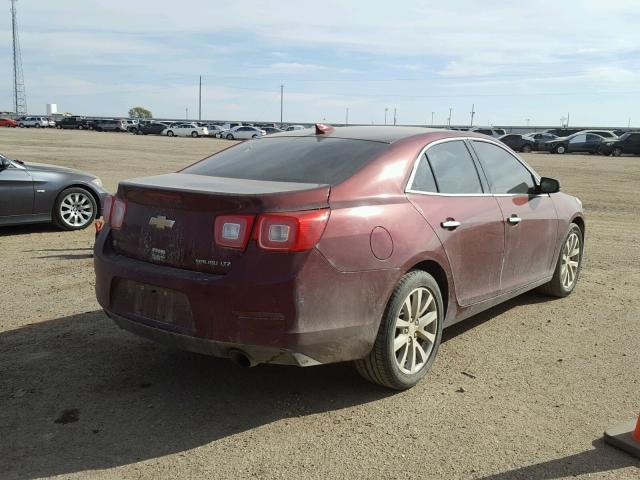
column 629, row 123
column 385, row 115
column 449, row 119
column 200, row 99
column 473, row 112
column 432, row 114
column 346, row 120
column 19, row 95
column 568, row 117
column 527, row 121
column 394, row 116
column 281, row 102
column 186, row 113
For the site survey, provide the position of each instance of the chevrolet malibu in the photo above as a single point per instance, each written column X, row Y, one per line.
column 335, row 244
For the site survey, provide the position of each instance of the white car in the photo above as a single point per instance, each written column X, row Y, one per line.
column 185, row 130
column 243, row 133
column 38, row 122
column 291, row 128
column 214, row 130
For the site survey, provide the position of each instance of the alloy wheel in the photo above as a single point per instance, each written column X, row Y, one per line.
column 570, row 261
column 76, row 209
column 415, row 331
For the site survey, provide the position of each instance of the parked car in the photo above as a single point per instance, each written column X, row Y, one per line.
column 151, row 128
column 186, row 130
column 243, row 133
column 491, row 132
column 109, row 126
column 576, row 143
column 354, row 243
column 130, row 125
column 37, row 122
column 538, row 139
column 8, row 122
column 38, row 193
column 74, row 123
column 271, row 130
column 292, row 128
column 627, row 143
column 517, row 143
column 214, row 130
column 603, row 133
column 562, row 132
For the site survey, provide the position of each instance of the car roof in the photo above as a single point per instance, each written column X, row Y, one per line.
column 385, row 134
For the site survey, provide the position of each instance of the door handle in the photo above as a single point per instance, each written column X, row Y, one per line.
column 514, row 219
column 450, row 224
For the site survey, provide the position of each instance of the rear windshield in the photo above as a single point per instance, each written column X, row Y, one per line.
column 291, row 159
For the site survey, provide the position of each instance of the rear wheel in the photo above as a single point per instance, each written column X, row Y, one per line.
column 568, row 267
column 170, row 133
column 229, row 137
column 409, row 334
column 526, row 149
column 617, row 152
column 75, row 209
column 37, row 125
column 80, row 127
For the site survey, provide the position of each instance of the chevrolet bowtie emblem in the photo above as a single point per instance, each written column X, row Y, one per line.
column 161, row 222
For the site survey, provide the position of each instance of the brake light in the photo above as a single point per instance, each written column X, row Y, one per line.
column 118, row 211
column 233, row 231
column 106, row 208
column 293, row 231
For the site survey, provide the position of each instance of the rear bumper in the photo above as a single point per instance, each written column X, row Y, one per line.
column 297, row 312
column 256, row 353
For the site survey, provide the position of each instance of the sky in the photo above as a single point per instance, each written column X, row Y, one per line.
column 517, row 62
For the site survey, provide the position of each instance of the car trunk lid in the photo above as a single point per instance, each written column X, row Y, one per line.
column 170, row 218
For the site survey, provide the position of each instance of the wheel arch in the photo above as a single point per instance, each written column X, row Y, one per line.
column 84, row 186
column 436, row 270
column 578, row 220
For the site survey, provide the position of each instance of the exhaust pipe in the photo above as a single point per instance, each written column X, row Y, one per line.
column 241, row 359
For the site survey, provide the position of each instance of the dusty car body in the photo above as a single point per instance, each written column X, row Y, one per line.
column 368, row 218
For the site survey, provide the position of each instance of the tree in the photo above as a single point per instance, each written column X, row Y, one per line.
column 140, row 112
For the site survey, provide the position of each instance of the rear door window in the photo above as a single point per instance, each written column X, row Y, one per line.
column 291, row 159
column 453, row 168
column 505, row 173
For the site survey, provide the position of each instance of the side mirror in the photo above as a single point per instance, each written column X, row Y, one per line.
column 4, row 163
column 548, row 185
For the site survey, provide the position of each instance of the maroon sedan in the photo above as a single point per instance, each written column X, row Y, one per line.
column 355, row 243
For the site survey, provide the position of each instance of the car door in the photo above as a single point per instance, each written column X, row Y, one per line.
column 632, row 144
column 16, row 193
column 530, row 220
column 578, row 143
column 593, row 143
column 447, row 188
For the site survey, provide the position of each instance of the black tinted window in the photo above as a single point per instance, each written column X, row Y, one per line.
column 453, row 168
column 423, row 180
column 506, row 174
column 302, row 159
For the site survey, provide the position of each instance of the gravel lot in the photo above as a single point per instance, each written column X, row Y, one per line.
column 523, row 391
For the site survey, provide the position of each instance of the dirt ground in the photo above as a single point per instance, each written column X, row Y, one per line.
column 523, row 391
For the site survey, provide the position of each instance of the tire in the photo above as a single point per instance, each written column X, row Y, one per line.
column 170, row 133
column 561, row 286
column 391, row 366
column 80, row 127
column 37, row 125
column 254, row 136
column 616, row 152
column 560, row 149
column 194, row 134
column 21, row 125
column 75, row 209
column 526, row 149
column 229, row 137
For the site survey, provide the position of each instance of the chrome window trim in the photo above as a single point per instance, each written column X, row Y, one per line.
column 416, row 162
column 16, row 164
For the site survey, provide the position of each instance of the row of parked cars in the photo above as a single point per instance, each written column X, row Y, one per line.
column 601, row 142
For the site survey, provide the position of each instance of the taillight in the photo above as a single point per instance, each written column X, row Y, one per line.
column 106, row 208
column 293, row 231
column 118, row 211
column 233, row 231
